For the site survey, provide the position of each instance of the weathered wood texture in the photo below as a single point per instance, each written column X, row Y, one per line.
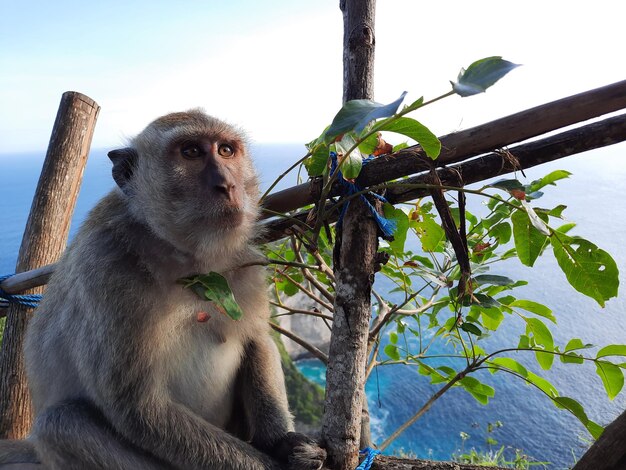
column 354, row 262
column 354, row 256
column 23, row 281
column 392, row 463
column 608, row 452
column 477, row 140
column 44, row 240
column 359, row 44
column 607, row 132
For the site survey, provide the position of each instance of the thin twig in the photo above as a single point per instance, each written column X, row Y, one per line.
column 292, row 311
column 306, row 345
column 308, row 292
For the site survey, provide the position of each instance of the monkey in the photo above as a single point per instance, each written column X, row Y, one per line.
column 130, row 370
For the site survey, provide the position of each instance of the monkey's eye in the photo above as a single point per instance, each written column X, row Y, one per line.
column 225, row 150
column 191, row 151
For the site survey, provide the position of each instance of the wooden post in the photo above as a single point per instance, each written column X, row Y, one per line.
column 358, row 49
column 609, row 451
column 44, row 240
column 354, row 261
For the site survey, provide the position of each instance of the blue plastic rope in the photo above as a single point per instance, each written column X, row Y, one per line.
column 30, row 300
column 370, row 455
column 387, row 226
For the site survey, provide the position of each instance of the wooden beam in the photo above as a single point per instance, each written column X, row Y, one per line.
column 468, row 143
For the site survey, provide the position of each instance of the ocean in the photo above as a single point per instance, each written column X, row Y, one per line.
column 593, row 195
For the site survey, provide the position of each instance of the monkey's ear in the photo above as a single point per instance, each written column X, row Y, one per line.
column 123, row 165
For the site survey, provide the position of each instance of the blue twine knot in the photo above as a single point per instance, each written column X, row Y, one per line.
column 387, row 226
column 29, row 300
column 370, row 455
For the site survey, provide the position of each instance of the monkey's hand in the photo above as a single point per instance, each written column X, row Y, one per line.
column 300, row 452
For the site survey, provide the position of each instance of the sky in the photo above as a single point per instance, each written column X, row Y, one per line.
column 275, row 67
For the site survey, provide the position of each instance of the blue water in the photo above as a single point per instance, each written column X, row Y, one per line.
column 594, row 198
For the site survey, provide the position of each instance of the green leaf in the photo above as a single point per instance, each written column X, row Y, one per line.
column 550, row 178
column 566, row 227
column 401, row 220
column 501, row 232
column 471, row 328
column 418, row 103
column 524, row 342
column 577, row 410
column 491, row 318
column 317, row 163
column 392, row 351
column 587, row 268
column 510, row 364
column 449, row 371
column 356, row 114
column 534, row 307
column 529, row 242
column 556, row 212
column 543, row 337
column 480, row 391
column 435, row 376
column 493, row 279
column 400, row 146
column 368, row 146
column 430, row 234
column 572, row 358
column 214, row 288
column 481, row 74
column 575, row 344
column 594, row 429
column 393, row 337
column 416, row 131
column 612, row 377
column 485, row 300
column 351, row 166
column 507, row 185
column 569, row 356
column 542, row 384
column 573, row 406
column 612, row 350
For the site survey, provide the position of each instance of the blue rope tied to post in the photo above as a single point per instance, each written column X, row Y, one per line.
column 29, row 300
column 370, row 455
column 387, row 226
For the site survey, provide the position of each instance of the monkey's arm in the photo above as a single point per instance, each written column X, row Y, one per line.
column 266, row 409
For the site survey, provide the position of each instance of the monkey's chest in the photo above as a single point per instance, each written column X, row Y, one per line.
column 202, row 373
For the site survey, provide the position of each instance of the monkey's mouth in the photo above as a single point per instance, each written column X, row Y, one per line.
column 229, row 217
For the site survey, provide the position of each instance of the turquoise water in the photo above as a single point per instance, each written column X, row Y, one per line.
column 594, row 198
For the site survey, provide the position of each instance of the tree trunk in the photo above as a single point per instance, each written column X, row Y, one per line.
column 354, row 263
column 44, row 240
column 608, row 452
column 358, row 49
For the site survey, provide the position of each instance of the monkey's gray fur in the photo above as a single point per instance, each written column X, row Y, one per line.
column 123, row 371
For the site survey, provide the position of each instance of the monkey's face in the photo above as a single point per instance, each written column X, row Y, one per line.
column 193, row 183
column 209, row 175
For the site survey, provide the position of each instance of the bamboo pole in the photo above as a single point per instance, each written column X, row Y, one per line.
column 44, row 240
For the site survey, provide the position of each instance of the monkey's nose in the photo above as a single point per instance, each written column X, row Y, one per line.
column 226, row 189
